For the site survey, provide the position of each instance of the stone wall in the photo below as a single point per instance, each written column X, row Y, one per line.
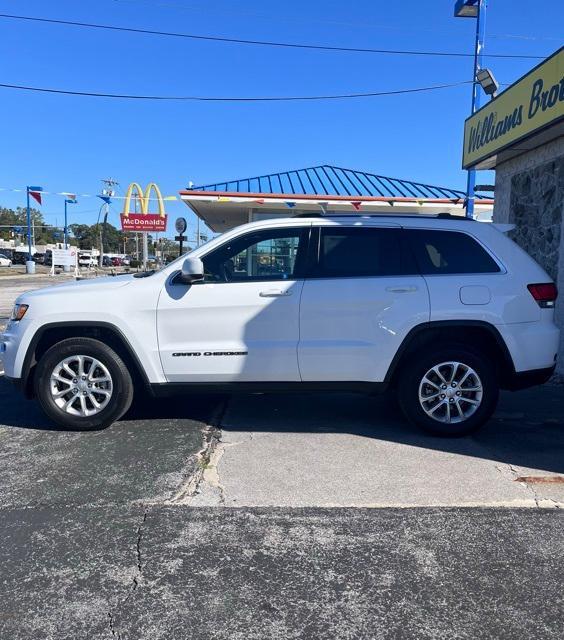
column 536, row 204
column 530, row 194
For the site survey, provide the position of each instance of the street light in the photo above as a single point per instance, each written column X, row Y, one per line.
column 68, row 201
column 473, row 9
column 466, row 9
column 487, row 81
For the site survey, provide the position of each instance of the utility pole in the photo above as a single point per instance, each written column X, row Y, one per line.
column 474, row 9
column 108, row 192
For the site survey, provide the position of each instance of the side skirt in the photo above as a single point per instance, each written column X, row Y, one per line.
column 163, row 390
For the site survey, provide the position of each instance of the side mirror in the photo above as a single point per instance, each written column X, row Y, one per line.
column 192, row 270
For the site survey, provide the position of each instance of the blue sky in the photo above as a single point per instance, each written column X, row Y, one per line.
column 69, row 143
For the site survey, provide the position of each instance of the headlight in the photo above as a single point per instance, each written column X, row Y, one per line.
column 19, row 311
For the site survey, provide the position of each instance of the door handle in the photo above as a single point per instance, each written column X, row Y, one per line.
column 274, row 294
column 406, row 289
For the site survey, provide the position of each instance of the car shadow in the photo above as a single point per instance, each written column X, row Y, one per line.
column 527, row 430
column 18, row 412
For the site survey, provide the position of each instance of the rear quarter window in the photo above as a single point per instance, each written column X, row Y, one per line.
column 449, row 252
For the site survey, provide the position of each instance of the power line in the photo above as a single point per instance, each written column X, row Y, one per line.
column 267, row 43
column 319, row 21
column 234, row 99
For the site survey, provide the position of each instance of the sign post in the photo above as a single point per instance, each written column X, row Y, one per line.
column 180, row 226
column 144, row 221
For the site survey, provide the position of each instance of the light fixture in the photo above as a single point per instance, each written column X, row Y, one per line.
column 466, row 9
column 487, row 81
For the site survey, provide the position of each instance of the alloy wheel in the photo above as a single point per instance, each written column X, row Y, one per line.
column 81, row 385
column 450, row 392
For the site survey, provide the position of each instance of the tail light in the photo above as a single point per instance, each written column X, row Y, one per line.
column 545, row 294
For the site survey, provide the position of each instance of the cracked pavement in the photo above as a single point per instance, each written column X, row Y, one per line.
column 254, row 517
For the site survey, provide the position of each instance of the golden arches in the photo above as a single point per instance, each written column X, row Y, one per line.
column 143, row 198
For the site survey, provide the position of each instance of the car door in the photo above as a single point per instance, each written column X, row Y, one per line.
column 241, row 323
column 360, row 300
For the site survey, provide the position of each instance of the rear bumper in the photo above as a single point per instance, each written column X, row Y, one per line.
column 525, row 379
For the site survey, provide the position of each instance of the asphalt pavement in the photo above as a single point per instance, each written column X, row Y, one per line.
column 165, row 572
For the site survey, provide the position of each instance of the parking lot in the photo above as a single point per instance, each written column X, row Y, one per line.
column 315, row 516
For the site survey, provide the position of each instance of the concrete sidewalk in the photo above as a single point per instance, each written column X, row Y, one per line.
column 354, row 451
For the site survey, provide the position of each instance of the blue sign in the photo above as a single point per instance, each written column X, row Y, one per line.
column 17, row 229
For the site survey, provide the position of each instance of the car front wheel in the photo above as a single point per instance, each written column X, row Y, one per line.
column 82, row 384
column 449, row 392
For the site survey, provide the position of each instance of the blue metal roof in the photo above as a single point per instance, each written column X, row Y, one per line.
column 333, row 181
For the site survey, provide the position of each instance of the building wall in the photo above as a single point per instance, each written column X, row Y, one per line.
column 529, row 193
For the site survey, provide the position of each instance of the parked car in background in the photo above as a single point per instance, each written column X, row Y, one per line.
column 107, row 261
column 117, row 261
column 48, row 259
column 19, row 257
column 126, row 261
column 39, row 258
column 5, row 261
column 85, row 259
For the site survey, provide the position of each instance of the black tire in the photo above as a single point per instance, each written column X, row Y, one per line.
column 417, row 366
column 122, row 391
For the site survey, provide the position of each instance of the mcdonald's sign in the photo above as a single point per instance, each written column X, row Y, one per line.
column 143, row 220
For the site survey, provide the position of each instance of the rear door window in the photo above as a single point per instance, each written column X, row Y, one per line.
column 356, row 252
column 449, row 252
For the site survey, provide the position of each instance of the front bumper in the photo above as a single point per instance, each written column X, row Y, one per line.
column 14, row 343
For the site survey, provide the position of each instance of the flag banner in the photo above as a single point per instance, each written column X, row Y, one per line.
column 290, row 205
column 36, row 195
column 72, row 195
column 356, row 204
column 223, row 199
column 106, row 199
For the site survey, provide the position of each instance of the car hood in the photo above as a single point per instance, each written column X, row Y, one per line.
column 90, row 286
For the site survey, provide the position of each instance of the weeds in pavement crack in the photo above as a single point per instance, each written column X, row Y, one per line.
column 212, row 437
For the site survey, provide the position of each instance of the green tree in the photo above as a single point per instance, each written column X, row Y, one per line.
column 85, row 235
column 88, row 237
column 10, row 218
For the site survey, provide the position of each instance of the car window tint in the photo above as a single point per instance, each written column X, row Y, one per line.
column 359, row 252
column 271, row 254
column 449, row 252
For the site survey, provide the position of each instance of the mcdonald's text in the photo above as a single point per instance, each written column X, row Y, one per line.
column 149, row 222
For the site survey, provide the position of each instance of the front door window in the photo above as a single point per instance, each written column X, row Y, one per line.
column 271, row 254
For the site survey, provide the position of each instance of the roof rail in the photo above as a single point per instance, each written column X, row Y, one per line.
column 339, row 214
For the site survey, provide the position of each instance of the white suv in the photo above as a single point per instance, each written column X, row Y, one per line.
column 443, row 310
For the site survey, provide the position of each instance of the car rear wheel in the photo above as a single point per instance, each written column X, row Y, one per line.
column 82, row 384
column 452, row 391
